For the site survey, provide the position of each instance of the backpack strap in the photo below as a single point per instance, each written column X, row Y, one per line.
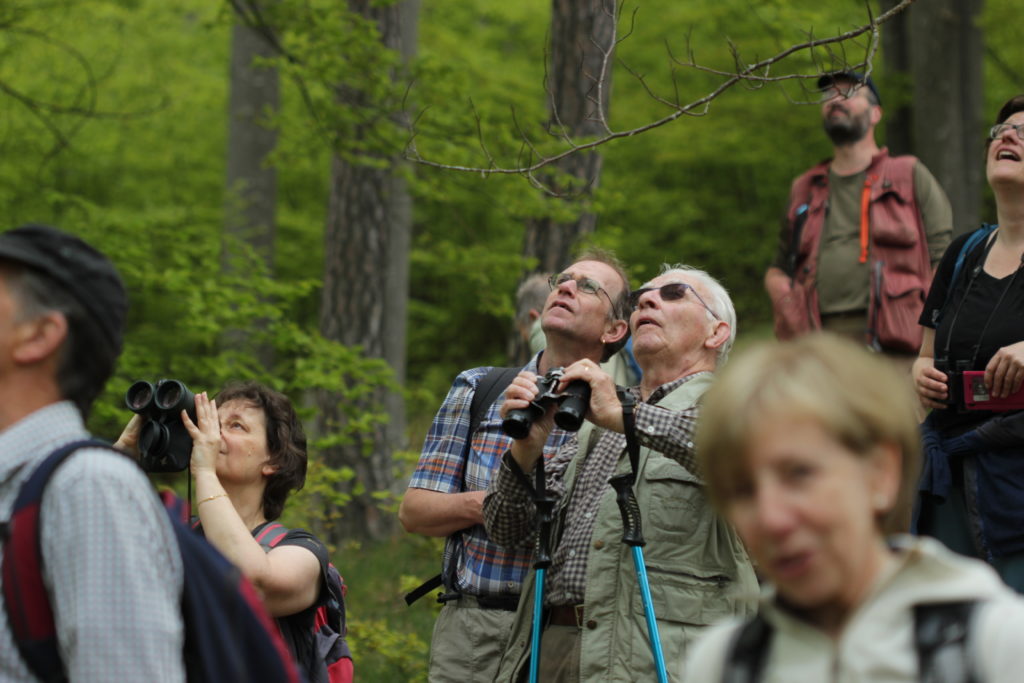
column 941, row 631
column 270, row 534
column 978, row 236
column 487, row 391
column 748, row 652
column 26, row 599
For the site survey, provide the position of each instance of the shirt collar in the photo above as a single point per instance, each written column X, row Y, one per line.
column 667, row 387
column 38, row 434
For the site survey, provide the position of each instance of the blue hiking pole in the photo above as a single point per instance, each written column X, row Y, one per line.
column 545, row 506
column 632, row 531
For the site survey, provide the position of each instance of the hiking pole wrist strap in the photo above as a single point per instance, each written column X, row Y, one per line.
column 632, row 526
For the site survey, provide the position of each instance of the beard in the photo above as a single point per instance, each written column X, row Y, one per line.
column 848, row 130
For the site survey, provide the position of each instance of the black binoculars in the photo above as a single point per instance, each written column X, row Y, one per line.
column 164, row 443
column 572, row 405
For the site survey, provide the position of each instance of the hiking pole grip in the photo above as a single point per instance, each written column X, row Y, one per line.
column 632, row 527
column 545, row 506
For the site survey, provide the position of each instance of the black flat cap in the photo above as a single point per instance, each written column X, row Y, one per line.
column 80, row 269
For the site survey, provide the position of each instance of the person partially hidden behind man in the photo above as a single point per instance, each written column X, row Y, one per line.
column 595, row 629
column 862, row 233
column 110, row 560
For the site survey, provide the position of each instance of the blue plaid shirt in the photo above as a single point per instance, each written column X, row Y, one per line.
column 481, row 566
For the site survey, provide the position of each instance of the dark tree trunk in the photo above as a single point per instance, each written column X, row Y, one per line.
column 937, row 48
column 251, row 182
column 579, row 92
column 364, row 302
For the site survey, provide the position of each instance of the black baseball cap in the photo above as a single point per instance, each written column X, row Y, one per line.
column 80, row 269
column 828, row 79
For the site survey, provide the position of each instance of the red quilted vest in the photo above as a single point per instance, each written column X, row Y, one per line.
column 896, row 249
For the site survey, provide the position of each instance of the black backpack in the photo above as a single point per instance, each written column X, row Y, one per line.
column 488, row 389
column 228, row 634
column 329, row 627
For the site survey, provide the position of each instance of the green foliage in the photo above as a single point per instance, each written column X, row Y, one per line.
column 112, row 125
column 389, row 640
column 122, row 141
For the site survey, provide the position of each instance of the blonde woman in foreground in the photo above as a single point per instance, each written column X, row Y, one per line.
column 811, row 450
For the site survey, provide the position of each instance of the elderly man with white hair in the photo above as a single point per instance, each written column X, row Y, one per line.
column 683, row 324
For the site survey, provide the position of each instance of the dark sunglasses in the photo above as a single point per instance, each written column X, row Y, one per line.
column 670, row 292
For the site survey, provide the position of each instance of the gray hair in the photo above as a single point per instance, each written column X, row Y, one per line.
column 720, row 301
column 531, row 295
column 86, row 359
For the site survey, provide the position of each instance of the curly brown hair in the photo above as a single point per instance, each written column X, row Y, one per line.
column 286, row 440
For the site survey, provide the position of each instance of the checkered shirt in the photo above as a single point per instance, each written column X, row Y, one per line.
column 111, row 560
column 511, row 516
column 482, row 567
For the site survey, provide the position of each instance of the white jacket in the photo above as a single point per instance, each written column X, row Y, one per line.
column 877, row 643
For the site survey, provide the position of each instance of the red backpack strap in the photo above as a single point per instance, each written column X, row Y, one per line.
column 270, row 534
column 26, row 599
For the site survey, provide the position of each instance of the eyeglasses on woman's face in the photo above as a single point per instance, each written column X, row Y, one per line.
column 996, row 131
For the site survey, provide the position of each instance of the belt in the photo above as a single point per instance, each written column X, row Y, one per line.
column 566, row 615
column 846, row 315
column 506, row 603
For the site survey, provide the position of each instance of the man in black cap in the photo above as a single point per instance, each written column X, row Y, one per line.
column 110, row 562
column 862, row 232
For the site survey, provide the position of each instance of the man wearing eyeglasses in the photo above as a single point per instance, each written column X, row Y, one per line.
column 862, row 233
column 584, row 316
column 683, row 324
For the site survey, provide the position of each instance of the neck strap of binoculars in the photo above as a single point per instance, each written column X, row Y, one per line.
column 629, row 427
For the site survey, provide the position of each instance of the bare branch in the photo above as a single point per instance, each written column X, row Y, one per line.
column 753, row 75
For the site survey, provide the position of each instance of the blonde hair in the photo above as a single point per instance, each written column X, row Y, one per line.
column 862, row 400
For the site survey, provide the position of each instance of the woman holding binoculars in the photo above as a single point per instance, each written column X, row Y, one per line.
column 248, row 454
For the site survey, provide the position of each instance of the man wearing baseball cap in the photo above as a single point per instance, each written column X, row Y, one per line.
column 110, row 563
column 862, row 232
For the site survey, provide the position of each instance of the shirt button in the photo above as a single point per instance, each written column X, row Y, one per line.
column 598, row 544
column 572, row 553
column 689, row 444
column 568, row 596
column 649, row 429
column 591, row 624
column 510, row 584
column 587, row 515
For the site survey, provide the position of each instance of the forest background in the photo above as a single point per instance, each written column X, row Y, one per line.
column 277, row 183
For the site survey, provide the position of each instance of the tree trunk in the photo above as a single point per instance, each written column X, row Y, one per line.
column 937, row 47
column 251, row 182
column 364, row 301
column 579, row 89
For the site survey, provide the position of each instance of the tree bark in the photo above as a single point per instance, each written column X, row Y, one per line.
column 251, row 182
column 579, row 92
column 364, row 301
column 250, row 201
column 937, row 47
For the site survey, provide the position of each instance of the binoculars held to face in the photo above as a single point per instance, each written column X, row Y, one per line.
column 164, row 443
column 572, row 405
